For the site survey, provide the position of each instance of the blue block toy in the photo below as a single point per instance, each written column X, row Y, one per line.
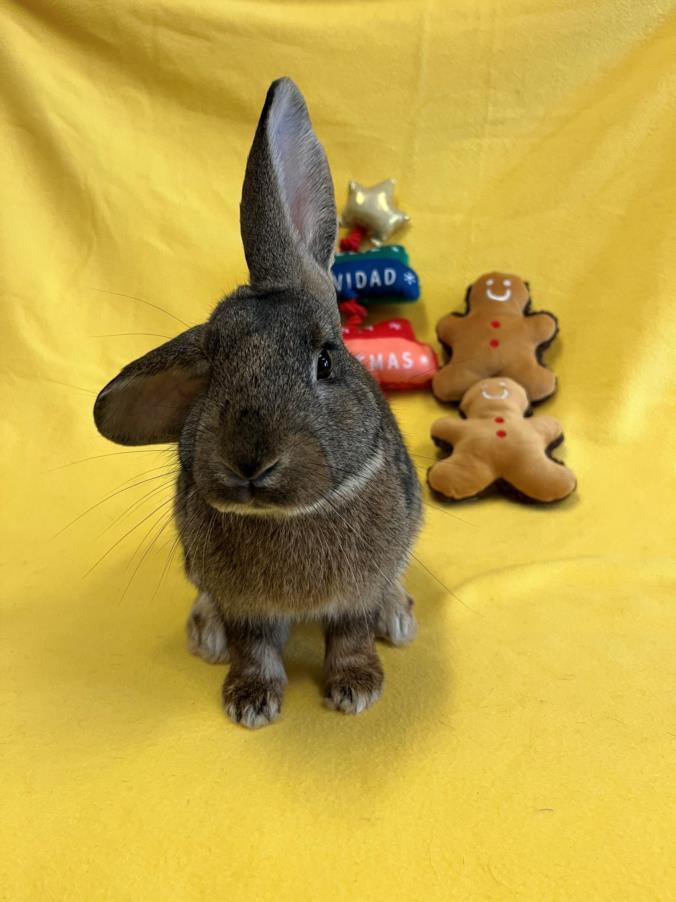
column 374, row 276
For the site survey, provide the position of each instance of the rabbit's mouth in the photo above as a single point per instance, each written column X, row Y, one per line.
column 250, row 501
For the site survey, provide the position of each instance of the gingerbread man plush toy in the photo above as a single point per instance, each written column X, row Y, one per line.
column 498, row 445
column 496, row 336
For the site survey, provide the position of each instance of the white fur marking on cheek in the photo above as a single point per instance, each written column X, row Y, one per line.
column 347, row 489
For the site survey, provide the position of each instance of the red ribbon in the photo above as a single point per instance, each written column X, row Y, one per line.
column 352, row 241
column 353, row 310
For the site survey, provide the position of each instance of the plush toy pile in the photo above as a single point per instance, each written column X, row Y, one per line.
column 366, row 275
column 495, row 371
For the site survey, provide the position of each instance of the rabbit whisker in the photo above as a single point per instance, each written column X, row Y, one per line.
column 164, row 525
column 89, row 391
column 134, row 505
column 111, row 454
column 167, row 564
column 124, row 488
column 190, row 541
column 128, row 533
column 443, row 585
column 133, row 297
column 129, row 334
column 207, row 537
column 441, row 510
column 166, row 467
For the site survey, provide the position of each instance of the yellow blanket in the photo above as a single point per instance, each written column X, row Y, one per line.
column 524, row 746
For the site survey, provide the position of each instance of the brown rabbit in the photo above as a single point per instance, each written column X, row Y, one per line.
column 296, row 497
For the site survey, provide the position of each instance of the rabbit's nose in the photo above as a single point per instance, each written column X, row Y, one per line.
column 251, row 472
column 260, row 476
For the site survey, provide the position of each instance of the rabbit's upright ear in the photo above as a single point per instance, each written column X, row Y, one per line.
column 288, row 211
column 147, row 403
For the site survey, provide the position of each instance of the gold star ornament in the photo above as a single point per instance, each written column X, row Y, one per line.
column 373, row 209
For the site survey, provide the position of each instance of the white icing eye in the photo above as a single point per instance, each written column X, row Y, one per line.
column 489, row 282
column 507, row 282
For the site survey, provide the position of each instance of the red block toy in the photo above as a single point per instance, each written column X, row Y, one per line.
column 389, row 350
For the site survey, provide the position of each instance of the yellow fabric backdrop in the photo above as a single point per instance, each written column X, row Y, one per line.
column 524, row 746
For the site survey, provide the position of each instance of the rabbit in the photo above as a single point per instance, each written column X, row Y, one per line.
column 296, row 498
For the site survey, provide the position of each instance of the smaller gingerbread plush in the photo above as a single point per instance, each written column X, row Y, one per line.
column 498, row 445
column 497, row 335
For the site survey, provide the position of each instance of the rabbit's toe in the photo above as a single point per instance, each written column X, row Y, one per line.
column 206, row 631
column 353, row 690
column 251, row 701
column 396, row 622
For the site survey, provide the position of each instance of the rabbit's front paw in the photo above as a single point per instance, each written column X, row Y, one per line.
column 396, row 621
column 251, row 700
column 206, row 631
column 353, row 689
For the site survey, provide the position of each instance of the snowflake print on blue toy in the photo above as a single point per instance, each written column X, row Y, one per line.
column 378, row 275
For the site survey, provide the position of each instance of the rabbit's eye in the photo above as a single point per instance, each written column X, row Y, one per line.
column 324, row 364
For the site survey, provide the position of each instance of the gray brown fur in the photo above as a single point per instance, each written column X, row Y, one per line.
column 325, row 532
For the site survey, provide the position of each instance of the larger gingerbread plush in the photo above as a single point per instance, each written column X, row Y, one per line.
column 497, row 335
column 498, row 445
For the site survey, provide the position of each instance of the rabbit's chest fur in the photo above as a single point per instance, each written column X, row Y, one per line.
column 306, row 565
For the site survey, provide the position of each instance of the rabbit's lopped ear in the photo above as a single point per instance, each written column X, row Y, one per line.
column 288, row 211
column 147, row 403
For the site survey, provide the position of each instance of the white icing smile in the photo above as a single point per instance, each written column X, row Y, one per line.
column 495, row 396
column 499, row 297
column 505, row 296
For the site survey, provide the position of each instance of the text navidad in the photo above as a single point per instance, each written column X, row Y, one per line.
column 365, row 278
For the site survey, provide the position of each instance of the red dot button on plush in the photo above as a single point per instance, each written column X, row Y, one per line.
column 494, row 342
column 499, row 419
column 501, row 433
column 496, row 324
